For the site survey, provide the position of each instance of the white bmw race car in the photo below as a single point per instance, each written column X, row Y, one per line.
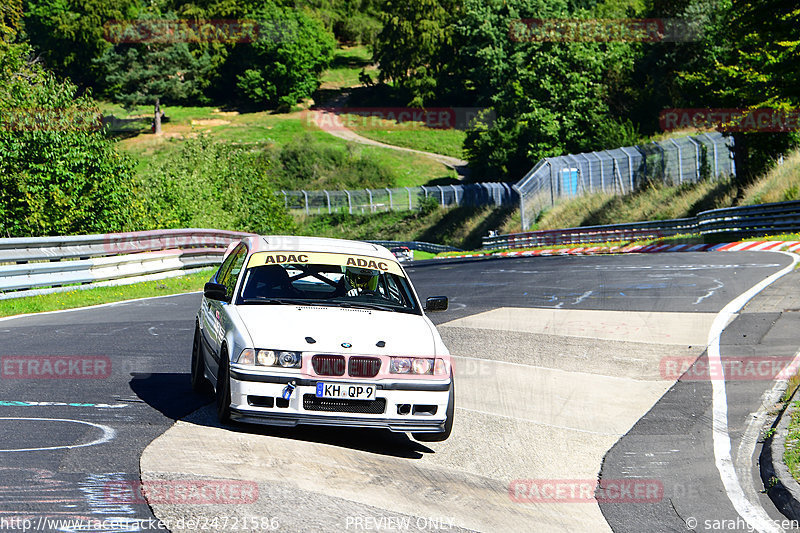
column 304, row 330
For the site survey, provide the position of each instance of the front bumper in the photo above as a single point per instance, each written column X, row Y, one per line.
column 426, row 401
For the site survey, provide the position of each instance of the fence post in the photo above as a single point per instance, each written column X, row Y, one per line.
column 714, row 144
column 630, row 166
column 409, row 198
column 371, row 207
column 455, row 193
column 680, row 161
column 696, row 158
column 349, row 202
column 600, row 164
column 552, row 188
column 441, row 192
column 589, row 168
column 391, row 202
column 305, row 195
column 328, row 197
column 285, row 199
column 425, row 190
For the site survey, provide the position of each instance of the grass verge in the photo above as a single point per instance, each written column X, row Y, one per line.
column 101, row 295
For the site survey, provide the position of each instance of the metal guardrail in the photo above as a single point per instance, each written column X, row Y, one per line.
column 40, row 265
column 28, row 264
column 746, row 221
column 418, row 245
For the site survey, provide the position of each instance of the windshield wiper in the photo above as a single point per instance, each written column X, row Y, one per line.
column 281, row 301
column 360, row 305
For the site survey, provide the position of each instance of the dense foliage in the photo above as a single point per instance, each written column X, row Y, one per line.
column 59, row 174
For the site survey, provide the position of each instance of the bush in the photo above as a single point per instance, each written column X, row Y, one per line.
column 285, row 63
column 306, row 163
column 213, row 185
column 59, row 174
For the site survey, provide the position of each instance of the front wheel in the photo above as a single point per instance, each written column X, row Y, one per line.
column 448, row 423
column 223, row 394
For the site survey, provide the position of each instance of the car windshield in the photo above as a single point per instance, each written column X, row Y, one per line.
column 327, row 279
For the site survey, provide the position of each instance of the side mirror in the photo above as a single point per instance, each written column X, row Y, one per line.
column 215, row 291
column 436, row 303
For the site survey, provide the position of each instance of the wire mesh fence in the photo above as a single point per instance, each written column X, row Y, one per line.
column 398, row 199
column 622, row 170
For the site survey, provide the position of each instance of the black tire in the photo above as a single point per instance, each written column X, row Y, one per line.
column 199, row 382
column 223, row 394
column 448, row 423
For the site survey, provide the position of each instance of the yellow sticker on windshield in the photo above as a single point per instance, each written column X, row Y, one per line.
column 324, row 258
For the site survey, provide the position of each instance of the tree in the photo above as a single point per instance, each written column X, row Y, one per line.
column 149, row 72
column 10, row 19
column 548, row 98
column 415, row 46
column 59, row 173
column 758, row 66
column 284, row 64
column 70, row 34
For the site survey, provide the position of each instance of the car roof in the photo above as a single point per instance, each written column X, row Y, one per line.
column 291, row 243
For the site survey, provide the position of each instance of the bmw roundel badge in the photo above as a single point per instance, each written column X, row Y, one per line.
column 346, row 345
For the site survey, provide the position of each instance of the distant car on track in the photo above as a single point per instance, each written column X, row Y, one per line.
column 402, row 253
column 304, row 330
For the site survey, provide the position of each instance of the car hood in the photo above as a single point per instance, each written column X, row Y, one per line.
column 285, row 327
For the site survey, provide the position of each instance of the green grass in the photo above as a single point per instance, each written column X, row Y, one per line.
column 462, row 227
column 100, row 295
column 791, row 454
column 414, row 135
column 263, row 129
column 347, row 64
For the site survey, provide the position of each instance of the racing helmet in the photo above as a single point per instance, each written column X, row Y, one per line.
column 361, row 278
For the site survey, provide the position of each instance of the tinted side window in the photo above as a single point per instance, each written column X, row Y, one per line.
column 231, row 274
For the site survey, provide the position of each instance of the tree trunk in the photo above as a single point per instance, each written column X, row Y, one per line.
column 157, row 118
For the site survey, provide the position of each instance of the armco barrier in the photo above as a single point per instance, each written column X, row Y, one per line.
column 736, row 222
column 418, row 245
column 27, row 264
column 40, row 265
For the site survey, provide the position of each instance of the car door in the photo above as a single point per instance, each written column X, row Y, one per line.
column 215, row 326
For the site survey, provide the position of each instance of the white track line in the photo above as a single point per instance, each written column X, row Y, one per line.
column 754, row 515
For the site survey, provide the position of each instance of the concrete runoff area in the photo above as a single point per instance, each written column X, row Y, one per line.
column 531, row 416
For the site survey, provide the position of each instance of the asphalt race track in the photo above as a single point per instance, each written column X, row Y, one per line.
column 561, row 377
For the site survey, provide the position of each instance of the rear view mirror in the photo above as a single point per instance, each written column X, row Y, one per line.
column 215, row 291
column 436, row 303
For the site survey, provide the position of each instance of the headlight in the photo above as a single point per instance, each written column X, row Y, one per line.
column 415, row 365
column 289, row 359
column 270, row 358
column 400, row 365
column 266, row 358
column 422, row 366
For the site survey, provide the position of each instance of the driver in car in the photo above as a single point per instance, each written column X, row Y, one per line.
column 360, row 281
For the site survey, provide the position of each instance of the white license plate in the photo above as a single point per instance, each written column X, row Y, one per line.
column 349, row 391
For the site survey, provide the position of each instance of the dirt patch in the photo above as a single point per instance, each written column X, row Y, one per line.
column 210, row 122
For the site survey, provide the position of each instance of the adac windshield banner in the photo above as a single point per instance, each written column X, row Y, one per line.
column 322, row 258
